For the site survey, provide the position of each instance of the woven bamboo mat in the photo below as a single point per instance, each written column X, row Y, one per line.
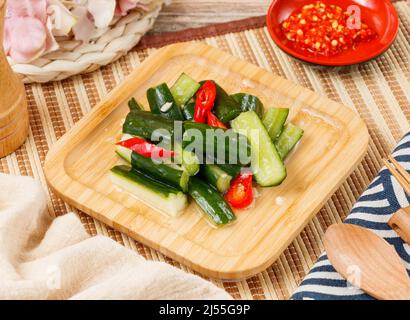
column 379, row 91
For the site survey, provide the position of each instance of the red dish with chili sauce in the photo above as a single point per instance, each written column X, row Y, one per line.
column 326, row 29
column 333, row 33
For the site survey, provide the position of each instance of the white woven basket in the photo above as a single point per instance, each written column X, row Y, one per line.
column 75, row 57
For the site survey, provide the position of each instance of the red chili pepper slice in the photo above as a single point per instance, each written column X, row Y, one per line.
column 213, row 121
column 146, row 148
column 205, row 99
column 240, row 194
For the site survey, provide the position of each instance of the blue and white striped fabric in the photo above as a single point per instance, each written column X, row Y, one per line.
column 373, row 210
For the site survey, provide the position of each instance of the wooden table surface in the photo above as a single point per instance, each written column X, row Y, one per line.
column 183, row 14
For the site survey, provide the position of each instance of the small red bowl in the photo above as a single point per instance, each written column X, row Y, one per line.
column 378, row 14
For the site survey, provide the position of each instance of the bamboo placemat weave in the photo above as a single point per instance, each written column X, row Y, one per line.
column 379, row 91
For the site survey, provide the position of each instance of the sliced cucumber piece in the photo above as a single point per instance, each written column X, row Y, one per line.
column 189, row 111
column 162, row 102
column 226, row 108
column 184, row 89
column 216, row 177
column 274, row 119
column 187, row 159
column 267, row 165
column 288, row 139
column 171, row 174
column 211, row 202
column 149, row 126
column 249, row 102
column 154, row 193
column 133, row 104
column 232, row 169
column 177, row 178
column 219, row 145
column 124, row 153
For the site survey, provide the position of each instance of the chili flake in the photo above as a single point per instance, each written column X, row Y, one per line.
column 323, row 29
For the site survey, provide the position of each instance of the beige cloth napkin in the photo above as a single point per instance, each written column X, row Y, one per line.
column 45, row 258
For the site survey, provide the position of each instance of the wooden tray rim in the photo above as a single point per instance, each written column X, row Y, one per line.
column 78, row 132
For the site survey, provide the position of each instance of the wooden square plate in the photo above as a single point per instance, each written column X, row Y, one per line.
column 335, row 141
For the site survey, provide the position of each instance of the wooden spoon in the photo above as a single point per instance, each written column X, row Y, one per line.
column 367, row 261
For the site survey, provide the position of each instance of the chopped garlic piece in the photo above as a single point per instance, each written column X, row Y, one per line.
column 166, row 107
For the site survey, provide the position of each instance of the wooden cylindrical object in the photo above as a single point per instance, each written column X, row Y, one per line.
column 14, row 122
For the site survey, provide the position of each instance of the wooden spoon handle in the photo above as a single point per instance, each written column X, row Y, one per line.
column 400, row 222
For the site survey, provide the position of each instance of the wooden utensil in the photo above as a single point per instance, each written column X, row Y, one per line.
column 400, row 221
column 398, row 172
column 368, row 261
column 13, row 105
